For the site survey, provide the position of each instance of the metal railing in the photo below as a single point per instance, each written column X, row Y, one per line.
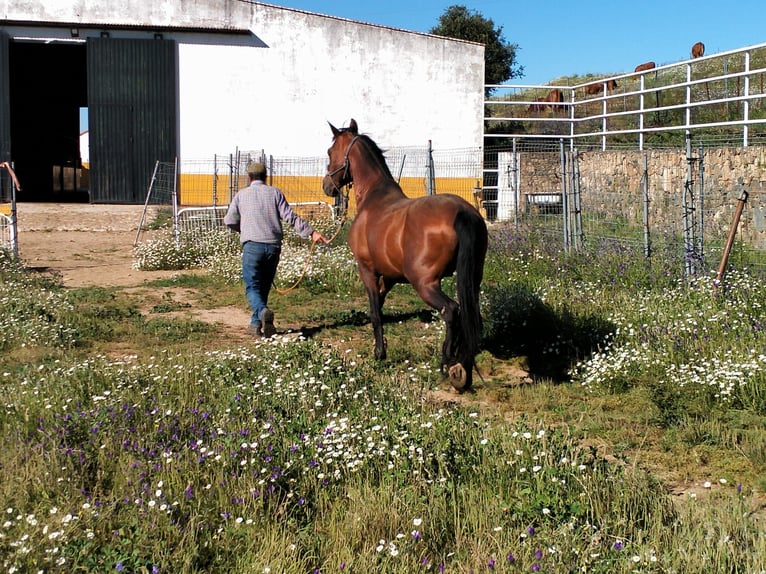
column 719, row 94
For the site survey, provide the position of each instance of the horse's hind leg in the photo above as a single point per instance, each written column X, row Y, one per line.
column 449, row 313
column 449, row 310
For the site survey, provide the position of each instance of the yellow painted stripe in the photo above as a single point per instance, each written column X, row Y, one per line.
column 205, row 189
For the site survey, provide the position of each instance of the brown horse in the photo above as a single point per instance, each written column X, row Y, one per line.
column 645, row 66
column 419, row 241
column 598, row 87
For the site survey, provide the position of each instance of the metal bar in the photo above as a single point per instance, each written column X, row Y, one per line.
column 515, row 185
column 564, row 198
column 577, row 197
column 641, row 116
column 700, row 205
column 174, row 199
column 645, row 192
column 146, row 202
column 687, row 207
column 746, row 102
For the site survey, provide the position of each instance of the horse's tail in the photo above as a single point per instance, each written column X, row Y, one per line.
column 472, row 249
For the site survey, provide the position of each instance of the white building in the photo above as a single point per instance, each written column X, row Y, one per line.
column 191, row 78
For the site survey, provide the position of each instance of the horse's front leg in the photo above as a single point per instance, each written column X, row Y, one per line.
column 376, row 296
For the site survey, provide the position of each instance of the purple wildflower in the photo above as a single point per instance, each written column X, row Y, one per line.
column 618, row 545
column 535, row 567
column 538, row 554
column 491, row 564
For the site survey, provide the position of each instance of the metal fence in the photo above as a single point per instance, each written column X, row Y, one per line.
column 8, row 219
column 661, row 159
column 419, row 170
column 721, row 96
column 678, row 201
column 673, row 199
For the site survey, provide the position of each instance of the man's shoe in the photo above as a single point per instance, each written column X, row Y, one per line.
column 267, row 323
column 254, row 330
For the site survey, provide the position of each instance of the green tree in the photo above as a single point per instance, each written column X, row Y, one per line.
column 499, row 55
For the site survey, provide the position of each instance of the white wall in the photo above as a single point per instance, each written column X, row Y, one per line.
column 277, row 88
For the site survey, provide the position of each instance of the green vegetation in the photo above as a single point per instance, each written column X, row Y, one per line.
column 147, row 443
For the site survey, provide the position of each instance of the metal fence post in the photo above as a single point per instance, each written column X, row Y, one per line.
column 700, row 206
column 579, row 239
column 688, row 207
column 215, row 180
column 174, row 199
column 692, row 256
column 515, row 185
column 430, row 174
column 645, row 193
column 564, row 198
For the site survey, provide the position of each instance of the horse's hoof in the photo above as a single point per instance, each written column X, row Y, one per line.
column 457, row 377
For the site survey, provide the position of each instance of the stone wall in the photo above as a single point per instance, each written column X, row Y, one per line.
column 610, row 183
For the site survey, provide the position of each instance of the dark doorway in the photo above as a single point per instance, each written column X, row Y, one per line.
column 48, row 86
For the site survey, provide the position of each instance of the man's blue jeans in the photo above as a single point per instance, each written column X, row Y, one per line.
column 259, row 266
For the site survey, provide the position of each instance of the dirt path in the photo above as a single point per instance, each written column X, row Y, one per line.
column 92, row 245
column 86, row 244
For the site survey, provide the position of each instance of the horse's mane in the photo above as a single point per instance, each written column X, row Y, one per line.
column 376, row 151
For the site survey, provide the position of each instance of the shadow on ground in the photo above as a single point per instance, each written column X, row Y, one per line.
column 517, row 323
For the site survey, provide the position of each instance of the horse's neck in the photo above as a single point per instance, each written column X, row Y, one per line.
column 372, row 178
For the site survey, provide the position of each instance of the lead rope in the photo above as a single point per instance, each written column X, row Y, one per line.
column 311, row 250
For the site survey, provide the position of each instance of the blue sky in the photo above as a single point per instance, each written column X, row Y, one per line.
column 558, row 38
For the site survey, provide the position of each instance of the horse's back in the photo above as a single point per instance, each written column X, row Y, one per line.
column 412, row 239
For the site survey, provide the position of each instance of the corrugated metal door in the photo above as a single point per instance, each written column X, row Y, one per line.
column 5, row 100
column 132, row 115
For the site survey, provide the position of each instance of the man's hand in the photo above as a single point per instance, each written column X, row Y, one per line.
column 319, row 238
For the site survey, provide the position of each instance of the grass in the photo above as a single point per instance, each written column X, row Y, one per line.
column 145, row 443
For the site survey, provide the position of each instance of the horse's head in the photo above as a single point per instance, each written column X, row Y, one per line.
column 338, row 169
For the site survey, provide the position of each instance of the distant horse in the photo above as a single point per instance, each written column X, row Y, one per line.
column 555, row 96
column 698, row 50
column 539, row 105
column 419, row 241
column 645, row 66
column 598, row 87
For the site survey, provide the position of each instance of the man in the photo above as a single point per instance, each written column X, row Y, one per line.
column 257, row 213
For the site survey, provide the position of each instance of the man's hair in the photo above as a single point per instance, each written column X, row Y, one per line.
column 256, row 170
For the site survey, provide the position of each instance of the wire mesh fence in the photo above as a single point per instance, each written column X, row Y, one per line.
column 680, row 202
